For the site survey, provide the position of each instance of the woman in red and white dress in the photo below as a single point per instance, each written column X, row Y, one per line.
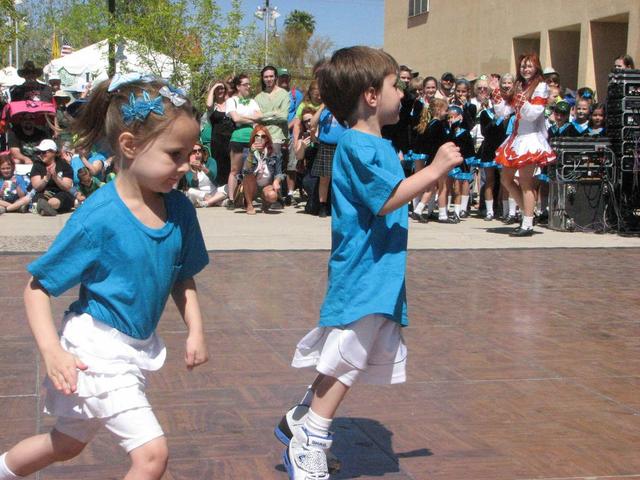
column 527, row 148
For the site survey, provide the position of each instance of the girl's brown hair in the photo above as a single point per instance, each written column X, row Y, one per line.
column 101, row 118
column 5, row 157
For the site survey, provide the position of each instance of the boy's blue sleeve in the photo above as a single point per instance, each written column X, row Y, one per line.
column 194, row 251
column 71, row 256
column 371, row 182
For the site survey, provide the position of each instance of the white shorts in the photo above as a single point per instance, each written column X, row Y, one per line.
column 132, row 427
column 370, row 350
column 195, row 194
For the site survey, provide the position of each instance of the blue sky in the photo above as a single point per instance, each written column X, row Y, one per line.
column 346, row 22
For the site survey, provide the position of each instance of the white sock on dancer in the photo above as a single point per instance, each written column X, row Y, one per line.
column 317, row 425
column 505, row 208
column 456, row 209
column 464, row 202
column 527, row 223
column 512, row 207
column 419, row 208
column 5, row 473
column 489, row 205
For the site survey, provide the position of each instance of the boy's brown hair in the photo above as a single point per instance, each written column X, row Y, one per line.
column 349, row 73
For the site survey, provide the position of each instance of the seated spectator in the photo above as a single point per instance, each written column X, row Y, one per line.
column 200, row 180
column 52, row 179
column 13, row 189
column 23, row 137
column 63, row 119
column 259, row 171
column 88, row 185
column 93, row 161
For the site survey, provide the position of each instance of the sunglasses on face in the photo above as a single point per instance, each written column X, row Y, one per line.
column 196, row 150
column 260, row 135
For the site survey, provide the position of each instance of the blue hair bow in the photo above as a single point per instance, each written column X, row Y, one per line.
column 174, row 95
column 138, row 109
column 120, row 79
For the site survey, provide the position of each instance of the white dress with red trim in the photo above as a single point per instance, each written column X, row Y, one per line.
column 527, row 144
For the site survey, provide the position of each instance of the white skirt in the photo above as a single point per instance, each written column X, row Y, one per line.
column 114, row 381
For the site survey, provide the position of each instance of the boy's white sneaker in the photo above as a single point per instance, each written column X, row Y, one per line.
column 305, row 457
column 291, row 425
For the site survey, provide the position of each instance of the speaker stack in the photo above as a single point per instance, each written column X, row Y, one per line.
column 623, row 128
column 580, row 184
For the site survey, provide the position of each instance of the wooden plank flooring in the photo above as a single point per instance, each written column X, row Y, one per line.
column 505, row 383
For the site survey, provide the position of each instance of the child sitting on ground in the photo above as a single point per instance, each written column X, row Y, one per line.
column 13, row 189
column 87, row 184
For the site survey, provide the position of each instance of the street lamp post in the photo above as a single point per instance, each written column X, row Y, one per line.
column 268, row 14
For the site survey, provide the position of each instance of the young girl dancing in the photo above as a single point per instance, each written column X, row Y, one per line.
column 527, row 147
column 133, row 242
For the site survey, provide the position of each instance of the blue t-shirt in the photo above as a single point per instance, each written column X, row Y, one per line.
column 329, row 129
column 368, row 251
column 125, row 269
column 296, row 99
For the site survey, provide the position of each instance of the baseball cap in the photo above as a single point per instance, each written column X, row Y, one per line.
column 46, row 145
column 283, row 71
column 548, row 71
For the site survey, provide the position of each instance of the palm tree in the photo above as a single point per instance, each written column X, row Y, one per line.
column 301, row 21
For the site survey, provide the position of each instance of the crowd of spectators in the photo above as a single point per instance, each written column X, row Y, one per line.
column 275, row 149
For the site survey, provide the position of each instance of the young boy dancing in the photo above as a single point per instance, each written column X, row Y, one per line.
column 359, row 335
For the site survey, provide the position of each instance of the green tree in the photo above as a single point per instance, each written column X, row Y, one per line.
column 301, row 21
column 9, row 17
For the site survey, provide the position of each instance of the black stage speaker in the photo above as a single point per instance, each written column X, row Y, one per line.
column 578, row 206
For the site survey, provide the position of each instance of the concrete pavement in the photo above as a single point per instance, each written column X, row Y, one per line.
column 290, row 229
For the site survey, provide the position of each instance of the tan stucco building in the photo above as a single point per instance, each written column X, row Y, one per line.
column 578, row 38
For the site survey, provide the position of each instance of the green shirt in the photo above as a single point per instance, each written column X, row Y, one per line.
column 275, row 110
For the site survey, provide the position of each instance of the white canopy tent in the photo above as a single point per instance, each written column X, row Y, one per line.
column 91, row 64
column 9, row 77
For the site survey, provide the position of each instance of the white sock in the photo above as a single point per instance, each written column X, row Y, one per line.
column 317, row 425
column 448, row 201
column 512, row 207
column 415, row 202
column 456, row 209
column 464, row 203
column 418, row 208
column 505, row 208
column 442, row 214
column 308, row 396
column 527, row 223
column 489, row 205
column 5, row 473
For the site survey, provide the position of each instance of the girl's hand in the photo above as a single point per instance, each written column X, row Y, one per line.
column 62, row 370
column 196, row 351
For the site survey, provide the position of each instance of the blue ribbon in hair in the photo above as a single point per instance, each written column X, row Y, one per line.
column 138, row 109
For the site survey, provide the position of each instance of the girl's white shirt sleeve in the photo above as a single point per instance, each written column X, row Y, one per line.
column 534, row 107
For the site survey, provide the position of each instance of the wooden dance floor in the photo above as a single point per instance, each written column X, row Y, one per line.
column 523, row 364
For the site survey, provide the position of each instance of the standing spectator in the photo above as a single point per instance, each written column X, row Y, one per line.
column 295, row 99
column 429, row 89
column 284, row 82
column 23, row 137
column 13, row 189
column 221, row 127
column 447, row 82
column 54, row 83
column 52, row 179
column 329, row 132
column 400, row 133
column 624, row 62
column 274, row 104
column 245, row 112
